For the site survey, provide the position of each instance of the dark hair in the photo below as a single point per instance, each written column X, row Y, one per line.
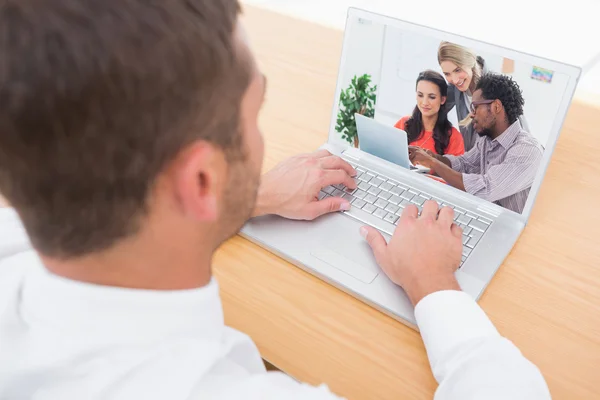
column 96, row 97
column 502, row 87
column 443, row 127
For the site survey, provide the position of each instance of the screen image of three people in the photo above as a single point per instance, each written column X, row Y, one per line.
column 492, row 154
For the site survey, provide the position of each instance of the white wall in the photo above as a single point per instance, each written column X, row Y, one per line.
column 364, row 51
column 541, row 99
column 363, row 55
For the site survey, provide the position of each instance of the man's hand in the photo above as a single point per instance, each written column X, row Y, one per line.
column 424, row 251
column 421, row 156
column 292, row 188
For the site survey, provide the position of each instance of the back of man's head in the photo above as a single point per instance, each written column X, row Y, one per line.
column 96, row 97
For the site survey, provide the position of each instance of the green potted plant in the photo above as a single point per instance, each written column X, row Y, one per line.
column 359, row 98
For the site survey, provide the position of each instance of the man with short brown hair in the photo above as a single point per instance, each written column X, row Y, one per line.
column 130, row 150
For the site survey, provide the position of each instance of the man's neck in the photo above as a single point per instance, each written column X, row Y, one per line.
column 500, row 128
column 146, row 262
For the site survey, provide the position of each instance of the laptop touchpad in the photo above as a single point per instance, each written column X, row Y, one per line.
column 356, row 261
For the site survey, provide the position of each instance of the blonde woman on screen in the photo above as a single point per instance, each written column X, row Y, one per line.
column 462, row 69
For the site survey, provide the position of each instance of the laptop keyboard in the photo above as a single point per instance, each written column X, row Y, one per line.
column 379, row 201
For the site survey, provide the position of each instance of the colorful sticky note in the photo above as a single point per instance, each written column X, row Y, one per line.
column 542, row 74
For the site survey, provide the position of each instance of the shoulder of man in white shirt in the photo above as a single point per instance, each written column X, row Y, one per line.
column 122, row 231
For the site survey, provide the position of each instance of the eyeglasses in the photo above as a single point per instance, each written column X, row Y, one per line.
column 478, row 103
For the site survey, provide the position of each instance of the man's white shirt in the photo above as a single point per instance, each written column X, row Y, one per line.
column 62, row 339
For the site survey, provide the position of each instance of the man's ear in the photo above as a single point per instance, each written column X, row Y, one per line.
column 198, row 174
column 497, row 106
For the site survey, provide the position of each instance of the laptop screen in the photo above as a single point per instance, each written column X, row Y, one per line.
column 482, row 118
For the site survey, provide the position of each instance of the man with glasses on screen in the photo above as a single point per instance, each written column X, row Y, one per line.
column 130, row 152
column 502, row 165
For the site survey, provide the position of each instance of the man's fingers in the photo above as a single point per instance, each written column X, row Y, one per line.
column 430, row 209
column 336, row 177
column 321, row 153
column 446, row 216
column 375, row 240
column 410, row 212
column 456, row 231
column 326, row 206
column 335, row 162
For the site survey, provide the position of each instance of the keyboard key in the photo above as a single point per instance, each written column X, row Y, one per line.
column 460, row 210
column 365, row 177
column 349, row 191
column 339, row 186
column 370, row 219
column 418, row 200
column 407, row 196
column 473, row 241
column 470, row 244
column 399, row 211
column 348, row 197
column 463, row 219
column 381, row 203
column 404, row 203
column 472, row 216
column 376, row 182
column 322, row 195
column 358, row 203
column 385, row 186
column 466, row 251
column 380, row 213
column 374, row 190
column 476, row 233
column 329, row 189
column 467, row 230
column 485, row 220
column 370, row 198
column 465, row 239
column 337, row 193
column 414, row 192
column 369, row 208
column 391, row 208
column 371, row 173
column 364, row 186
column 384, row 195
column 391, row 218
column 395, row 199
column 360, row 169
column 360, row 194
column 396, row 190
column 480, row 226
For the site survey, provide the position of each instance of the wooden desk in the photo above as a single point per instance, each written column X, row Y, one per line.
column 545, row 298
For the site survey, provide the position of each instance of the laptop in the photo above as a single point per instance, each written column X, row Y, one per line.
column 393, row 52
column 384, row 141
